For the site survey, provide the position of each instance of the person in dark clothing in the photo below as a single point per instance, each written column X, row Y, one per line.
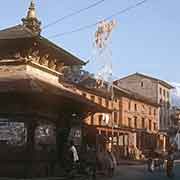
column 170, row 164
column 92, row 159
column 149, row 162
column 61, row 139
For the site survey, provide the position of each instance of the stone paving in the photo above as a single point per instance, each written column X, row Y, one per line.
column 140, row 172
column 124, row 172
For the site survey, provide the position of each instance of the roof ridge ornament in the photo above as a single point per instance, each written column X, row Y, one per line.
column 32, row 10
column 31, row 21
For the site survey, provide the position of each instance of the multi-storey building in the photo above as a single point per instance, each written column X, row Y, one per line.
column 133, row 123
column 155, row 89
column 174, row 131
column 175, row 117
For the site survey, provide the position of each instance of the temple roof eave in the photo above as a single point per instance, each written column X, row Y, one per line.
column 21, row 32
column 25, row 83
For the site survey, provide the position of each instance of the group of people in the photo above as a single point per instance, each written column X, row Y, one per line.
column 106, row 161
column 167, row 163
column 78, row 162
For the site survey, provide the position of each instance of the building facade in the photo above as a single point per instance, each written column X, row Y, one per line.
column 175, row 116
column 134, row 122
column 174, row 132
column 156, row 90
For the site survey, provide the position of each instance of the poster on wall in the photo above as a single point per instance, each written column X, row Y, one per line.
column 76, row 135
column 14, row 133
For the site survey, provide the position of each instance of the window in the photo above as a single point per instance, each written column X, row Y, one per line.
column 110, row 104
column 129, row 122
column 150, row 125
column 115, row 140
column 129, row 105
column 100, row 119
column 115, row 117
column 164, row 92
column 91, row 119
column 142, row 84
column 155, row 127
column 84, row 94
column 154, row 112
column 143, row 107
column 121, row 140
column 100, row 100
column 92, row 98
column 135, row 122
column 168, row 95
column 160, row 91
column 150, row 110
column 161, row 101
column 143, row 123
column 107, row 103
column 119, row 104
column 135, row 107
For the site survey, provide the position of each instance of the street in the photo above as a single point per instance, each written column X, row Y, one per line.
column 140, row 172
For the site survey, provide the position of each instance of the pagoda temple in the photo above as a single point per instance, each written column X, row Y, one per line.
column 41, row 103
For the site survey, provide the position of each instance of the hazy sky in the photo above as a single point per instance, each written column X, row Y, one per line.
column 146, row 39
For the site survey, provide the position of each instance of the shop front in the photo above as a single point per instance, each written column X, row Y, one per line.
column 147, row 143
column 115, row 139
column 36, row 126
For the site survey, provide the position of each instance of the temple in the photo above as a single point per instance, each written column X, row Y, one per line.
column 42, row 104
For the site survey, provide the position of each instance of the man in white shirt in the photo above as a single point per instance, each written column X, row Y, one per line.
column 74, row 152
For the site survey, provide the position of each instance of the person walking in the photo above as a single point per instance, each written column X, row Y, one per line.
column 151, row 162
column 170, row 164
column 72, row 159
column 112, row 163
column 74, row 152
column 91, row 161
column 150, row 165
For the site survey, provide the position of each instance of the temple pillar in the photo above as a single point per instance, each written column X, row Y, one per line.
column 30, row 149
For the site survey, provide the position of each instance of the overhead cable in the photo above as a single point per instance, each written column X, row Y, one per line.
column 73, row 13
column 96, row 23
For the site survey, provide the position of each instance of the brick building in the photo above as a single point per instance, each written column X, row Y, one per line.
column 174, row 131
column 133, row 123
column 175, row 116
column 155, row 89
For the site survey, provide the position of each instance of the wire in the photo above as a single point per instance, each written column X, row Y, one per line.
column 73, row 13
column 96, row 23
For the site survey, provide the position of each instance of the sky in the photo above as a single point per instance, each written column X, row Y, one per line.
column 146, row 39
